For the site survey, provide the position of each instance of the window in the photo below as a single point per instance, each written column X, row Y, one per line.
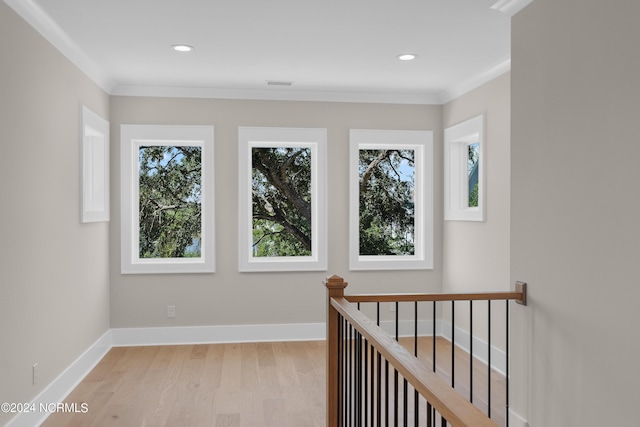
column 391, row 202
column 95, row 167
column 282, row 199
column 464, row 171
column 167, row 199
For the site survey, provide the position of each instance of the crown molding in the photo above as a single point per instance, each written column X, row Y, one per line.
column 475, row 81
column 43, row 24
column 279, row 94
column 510, row 7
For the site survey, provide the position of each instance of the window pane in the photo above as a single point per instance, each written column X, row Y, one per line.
column 170, row 201
column 472, row 173
column 387, row 205
column 281, row 199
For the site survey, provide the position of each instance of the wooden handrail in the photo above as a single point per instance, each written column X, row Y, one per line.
column 447, row 401
column 519, row 296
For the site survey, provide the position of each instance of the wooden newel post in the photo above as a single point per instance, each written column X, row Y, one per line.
column 335, row 289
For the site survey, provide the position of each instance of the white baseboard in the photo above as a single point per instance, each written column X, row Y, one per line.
column 64, row 384
column 122, row 337
column 406, row 328
column 516, row 420
column 480, row 347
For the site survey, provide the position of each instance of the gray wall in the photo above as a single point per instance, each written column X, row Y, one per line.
column 54, row 271
column 476, row 254
column 574, row 211
column 228, row 297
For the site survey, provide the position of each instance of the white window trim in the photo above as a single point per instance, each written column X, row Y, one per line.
column 94, row 197
column 422, row 144
column 134, row 136
column 316, row 140
column 456, row 192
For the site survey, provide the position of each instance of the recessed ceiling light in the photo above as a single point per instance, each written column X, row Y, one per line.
column 182, row 47
column 407, row 57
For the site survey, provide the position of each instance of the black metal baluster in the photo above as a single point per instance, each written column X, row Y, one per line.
column 507, row 370
column 340, row 364
column 386, row 392
column 397, row 322
column 350, row 377
column 359, row 380
column 345, row 386
column 366, row 382
column 415, row 328
column 470, row 351
column 395, row 397
column 379, row 391
column 353, row 377
column 372, row 387
column 453, row 343
column 434, row 337
column 429, row 419
column 395, row 373
column 379, row 384
column 432, row 412
column 416, row 396
column 405, row 406
column 489, row 359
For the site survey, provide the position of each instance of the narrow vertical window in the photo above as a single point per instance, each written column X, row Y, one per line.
column 473, row 155
column 167, row 199
column 464, row 171
column 391, row 224
column 282, row 199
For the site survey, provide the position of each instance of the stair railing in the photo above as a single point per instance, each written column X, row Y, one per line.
column 373, row 380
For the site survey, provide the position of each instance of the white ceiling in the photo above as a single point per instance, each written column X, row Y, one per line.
column 330, row 49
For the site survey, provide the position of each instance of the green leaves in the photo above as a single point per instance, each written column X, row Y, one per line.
column 387, row 214
column 281, row 201
column 170, row 201
column 170, row 179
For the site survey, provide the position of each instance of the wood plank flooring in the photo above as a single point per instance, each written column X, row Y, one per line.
column 232, row 385
column 253, row 385
column 462, row 377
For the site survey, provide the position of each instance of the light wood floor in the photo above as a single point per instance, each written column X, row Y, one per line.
column 253, row 385
column 220, row 385
column 462, row 374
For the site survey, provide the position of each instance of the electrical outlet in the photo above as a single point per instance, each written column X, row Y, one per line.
column 35, row 373
column 171, row 311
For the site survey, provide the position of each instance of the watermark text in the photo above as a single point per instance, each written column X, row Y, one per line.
column 49, row 408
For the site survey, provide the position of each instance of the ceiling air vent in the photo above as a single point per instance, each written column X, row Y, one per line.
column 278, row 83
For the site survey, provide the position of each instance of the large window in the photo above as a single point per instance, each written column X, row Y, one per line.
column 464, row 171
column 282, row 199
column 391, row 214
column 167, row 199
